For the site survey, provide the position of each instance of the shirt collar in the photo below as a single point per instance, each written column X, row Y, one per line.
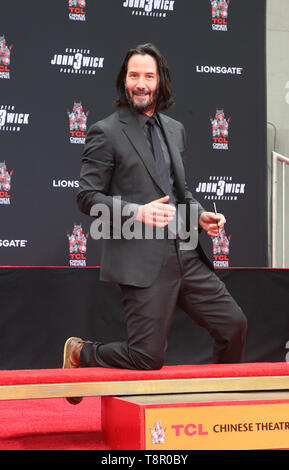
column 143, row 118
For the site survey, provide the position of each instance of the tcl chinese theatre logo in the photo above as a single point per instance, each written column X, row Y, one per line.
column 220, row 130
column 5, row 184
column 219, row 14
column 5, row 52
column 77, row 10
column 158, row 433
column 77, row 246
column 221, row 250
column 77, row 123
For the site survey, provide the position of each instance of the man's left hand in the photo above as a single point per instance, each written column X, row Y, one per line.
column 211, row 223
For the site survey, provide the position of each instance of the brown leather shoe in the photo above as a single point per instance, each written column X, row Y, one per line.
column 71, row 354
column 71, row 360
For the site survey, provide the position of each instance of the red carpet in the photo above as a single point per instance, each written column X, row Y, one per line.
column 90, row 374
column 50, row 424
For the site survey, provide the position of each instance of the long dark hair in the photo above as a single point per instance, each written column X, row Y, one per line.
column 165, row 97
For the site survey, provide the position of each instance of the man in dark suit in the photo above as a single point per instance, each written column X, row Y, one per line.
column 133, row 164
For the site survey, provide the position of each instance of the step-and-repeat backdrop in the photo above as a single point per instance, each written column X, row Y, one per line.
column 58, row 65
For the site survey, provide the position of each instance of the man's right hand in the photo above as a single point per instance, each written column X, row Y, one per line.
column 156, row 213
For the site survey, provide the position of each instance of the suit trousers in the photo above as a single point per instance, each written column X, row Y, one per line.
column 185, row 281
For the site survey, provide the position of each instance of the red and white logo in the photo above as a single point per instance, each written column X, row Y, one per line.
column 220, row 130
column 77, row 246
column 158, row 433
column 5, row 53
column 221, row 250
column 77, row 10
column 5, row 184
column 219, row 14
column 77, row 123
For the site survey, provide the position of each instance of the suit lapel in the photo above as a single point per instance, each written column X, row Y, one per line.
column 137, row 139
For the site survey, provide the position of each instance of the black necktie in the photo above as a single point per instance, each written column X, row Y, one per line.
column 160, row 160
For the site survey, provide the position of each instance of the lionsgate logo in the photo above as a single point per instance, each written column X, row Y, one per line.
column 5, row 53
column 153, row 8
column 10, row 120
column 65, row 184
column 77, row 123
column 5, row 184
column 220, row 69
column 77, row 241
column 220, row 188
column 219, row 9
column 220, row 130
column 77, row 61
column 13, row 243
column 77, row 10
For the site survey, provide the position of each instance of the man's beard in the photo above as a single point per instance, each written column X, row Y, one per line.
column 142, row 108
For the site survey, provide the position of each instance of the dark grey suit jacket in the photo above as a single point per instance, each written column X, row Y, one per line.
column 117, row 161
